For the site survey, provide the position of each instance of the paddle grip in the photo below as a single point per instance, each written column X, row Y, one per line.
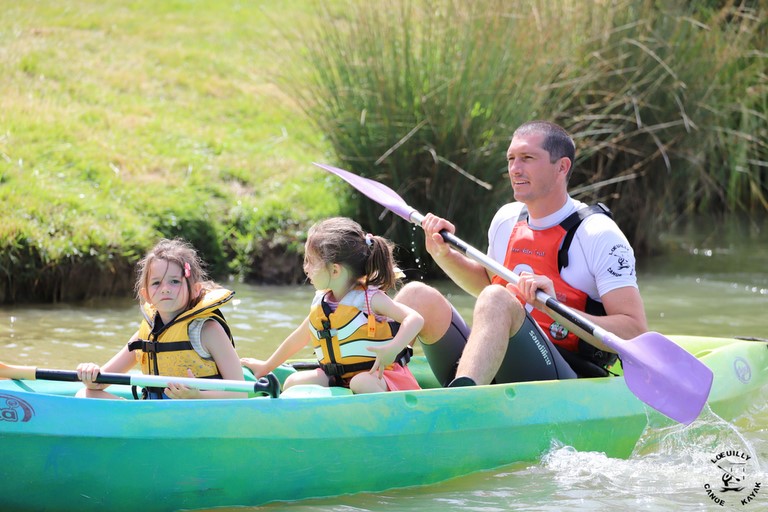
column 456, row 242
column 70, row 376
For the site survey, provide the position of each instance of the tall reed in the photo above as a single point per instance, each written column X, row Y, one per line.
column 666, row 102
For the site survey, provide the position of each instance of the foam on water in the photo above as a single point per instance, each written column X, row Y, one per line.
column 683, row 467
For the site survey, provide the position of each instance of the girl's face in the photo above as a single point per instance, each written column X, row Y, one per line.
column 167, row 289
column 317, row 271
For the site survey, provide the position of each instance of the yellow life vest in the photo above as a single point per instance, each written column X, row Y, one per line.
column 341, row 338
column 169, row 351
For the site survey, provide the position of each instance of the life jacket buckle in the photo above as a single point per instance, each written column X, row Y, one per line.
column 404, row 357
column 326, row 334
column 143, row 345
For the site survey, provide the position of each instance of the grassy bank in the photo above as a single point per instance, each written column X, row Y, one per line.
column 121, row 122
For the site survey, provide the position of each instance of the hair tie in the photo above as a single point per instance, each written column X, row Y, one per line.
column 187, row 270
column 369, row 240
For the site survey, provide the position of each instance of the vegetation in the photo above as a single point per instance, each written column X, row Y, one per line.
column 124, row 122
column 666, row 99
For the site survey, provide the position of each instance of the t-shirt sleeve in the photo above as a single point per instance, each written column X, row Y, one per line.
column 607, row 254
column 194, row 330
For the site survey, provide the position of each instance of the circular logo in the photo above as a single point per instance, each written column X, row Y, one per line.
column 742, row 369
column 557, row 331
column 733, row 487
column 14, row 409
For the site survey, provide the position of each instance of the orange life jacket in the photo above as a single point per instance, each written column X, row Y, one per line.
column 545, row 251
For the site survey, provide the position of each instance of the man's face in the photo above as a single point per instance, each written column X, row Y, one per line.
column 531, row 173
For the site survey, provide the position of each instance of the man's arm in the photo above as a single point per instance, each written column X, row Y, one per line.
column 468, row 274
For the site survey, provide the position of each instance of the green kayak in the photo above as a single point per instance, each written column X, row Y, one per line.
column 65, row 453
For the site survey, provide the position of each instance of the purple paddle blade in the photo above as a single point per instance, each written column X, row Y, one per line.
column 374, row 190
column 663, row 374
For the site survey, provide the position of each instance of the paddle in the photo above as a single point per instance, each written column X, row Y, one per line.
column 268, row 385
column 657, row 370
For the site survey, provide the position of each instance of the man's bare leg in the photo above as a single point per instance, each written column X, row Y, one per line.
column 497, row 316
column 430, row 304
column 444, row 334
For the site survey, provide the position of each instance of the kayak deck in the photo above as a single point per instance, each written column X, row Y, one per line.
column 314, row 441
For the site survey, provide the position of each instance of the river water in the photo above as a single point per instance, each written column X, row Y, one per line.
column 712, row 282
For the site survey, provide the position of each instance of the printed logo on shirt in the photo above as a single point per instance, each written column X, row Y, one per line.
column 623, row 263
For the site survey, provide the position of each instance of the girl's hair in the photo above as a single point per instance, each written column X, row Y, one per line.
column 181, row 253
column 342, row 240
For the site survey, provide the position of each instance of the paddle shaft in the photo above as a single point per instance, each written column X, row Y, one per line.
column 562, row 313
column 263, row 385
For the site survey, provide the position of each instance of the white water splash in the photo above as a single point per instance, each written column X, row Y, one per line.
column 674, row 464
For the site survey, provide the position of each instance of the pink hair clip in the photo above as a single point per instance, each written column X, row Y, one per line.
column 187, row 270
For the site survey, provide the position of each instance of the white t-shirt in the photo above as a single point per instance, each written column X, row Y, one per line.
column 194, row 330
column 600, row 258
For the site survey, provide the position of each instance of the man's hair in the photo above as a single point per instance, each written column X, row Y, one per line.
column 557, row 142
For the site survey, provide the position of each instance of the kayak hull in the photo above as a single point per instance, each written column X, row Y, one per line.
column 65, row 453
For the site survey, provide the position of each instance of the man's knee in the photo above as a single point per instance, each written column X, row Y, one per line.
column 496, row 303
column 415, row 293
column 498, row 296
column 430, row 304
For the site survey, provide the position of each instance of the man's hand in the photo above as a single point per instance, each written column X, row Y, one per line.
column 434, row 242
column 528, row 284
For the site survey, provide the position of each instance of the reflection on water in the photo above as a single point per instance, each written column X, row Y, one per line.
column 713, row 280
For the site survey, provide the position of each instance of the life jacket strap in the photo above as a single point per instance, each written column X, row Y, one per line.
column 326, row 334
column 570, row 224
column 154, row 347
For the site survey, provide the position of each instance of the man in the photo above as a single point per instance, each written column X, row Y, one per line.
column 594, row 273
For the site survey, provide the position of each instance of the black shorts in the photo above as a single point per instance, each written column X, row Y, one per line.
column 530, row 355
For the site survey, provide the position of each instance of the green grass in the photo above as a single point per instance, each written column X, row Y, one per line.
column 123, row 122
